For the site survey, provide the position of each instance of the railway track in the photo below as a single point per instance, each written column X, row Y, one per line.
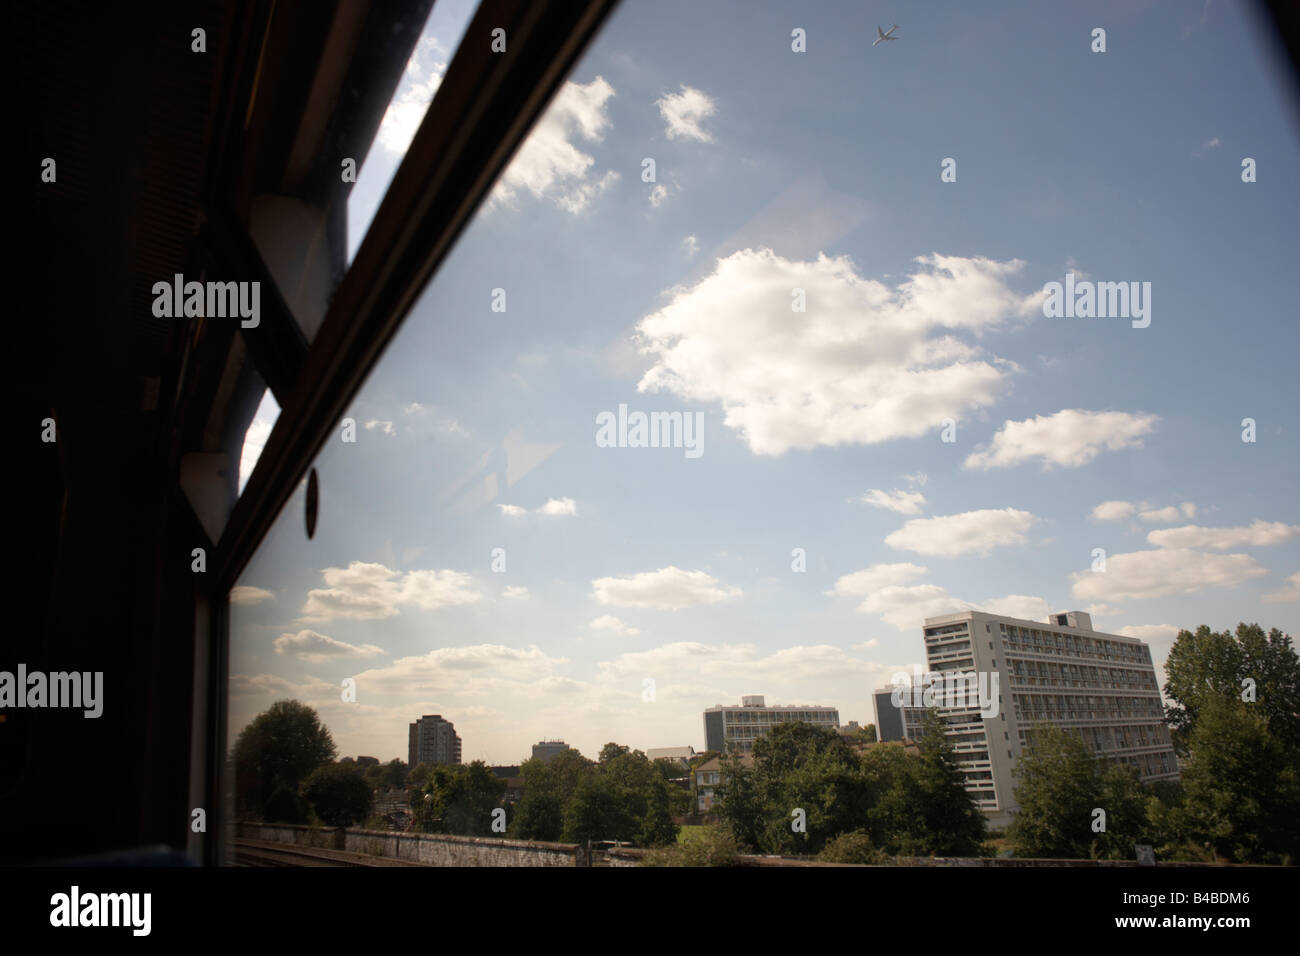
column 259, row 853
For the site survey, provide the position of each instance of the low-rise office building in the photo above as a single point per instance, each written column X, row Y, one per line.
column 732, row 729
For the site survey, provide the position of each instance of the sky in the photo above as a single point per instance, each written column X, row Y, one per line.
column 918, row 438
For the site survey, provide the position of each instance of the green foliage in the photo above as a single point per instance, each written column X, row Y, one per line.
column 1059, row 786
column 852, row 847
column 1210, row 665
column 1241, row 786
column 709, row 846
column 910, row 804
column 338, row 794
column 273, row 755
column 461, row 798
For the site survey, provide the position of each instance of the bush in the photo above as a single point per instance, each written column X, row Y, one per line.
column 852, row 847
column 710, row 846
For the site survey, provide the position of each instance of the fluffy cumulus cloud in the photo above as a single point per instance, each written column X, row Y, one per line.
column 972, row 532
column 548, row 165
column 877, row 576
column 479, row 668
column 682, row 113
column 515, row 593
column 1113, row 511
column 1290, row 591
column 903, row 502
column 559, row 506
column 384, row 426
column 512, row 511
column 609, row 624
column 247, row 594
column 1152, row 574
column 1069, row 439
column 890, row 591
column 364, row 591
column 314, row 646
column 668, row 588
column 1260, row 534
column 731, row 663
column 863, row 364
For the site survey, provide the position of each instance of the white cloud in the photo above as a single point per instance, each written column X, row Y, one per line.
column 607, row 622
column 875, row 577
column 1150, row 632
column 515, row 593
column 867, row 645
column 903, row 502
column 906, row 608
column 1151, row 574
column 691, row 245
column 1213, row 143
column 1070, row 438
column 548, row 165
column 1019, row 605
column 1290, row 592
column 667, row 588
column 1260, row 534
column 1113, row 511
column 255, row 438
column 559, row 506
column 385, row 427
column 972, row 532
column 863, row 365
column 247, row 594
column 513, row 511
column 364, row 591
column 420, row 81
column 658, row 194
column 1166, row 515
column 683, row 111
column 736, row 663
column 1189, row 509
column 916, row 478
column 314, row 646
column 473, row 669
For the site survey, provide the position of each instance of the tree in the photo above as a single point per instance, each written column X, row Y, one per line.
column 1058, row 790
column 273, row 755
column 461, row 799
column 1241, row 786
column 1208, row 665
column 338, row 794
column 953, row 825
column 596, row 813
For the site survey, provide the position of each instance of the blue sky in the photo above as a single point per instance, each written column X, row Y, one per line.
column 640, row 585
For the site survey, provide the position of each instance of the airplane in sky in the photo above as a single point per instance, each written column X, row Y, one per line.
column 885, row 35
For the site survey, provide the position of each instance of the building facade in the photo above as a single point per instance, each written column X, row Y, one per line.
column 732, row 729
column 548, row 750
column 1100, row 687
column 432, row 740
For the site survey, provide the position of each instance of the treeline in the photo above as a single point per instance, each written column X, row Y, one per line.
column 810, row 791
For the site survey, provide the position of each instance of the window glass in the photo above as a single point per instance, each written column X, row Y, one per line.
column 667, row 427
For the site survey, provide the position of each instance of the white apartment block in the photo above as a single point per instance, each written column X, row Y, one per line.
column 732, row 729
column 1101, row 686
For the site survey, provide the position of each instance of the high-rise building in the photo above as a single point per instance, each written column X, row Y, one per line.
column 1100, row 687
column 433, row 740
column 734, row 729
column 548, row 750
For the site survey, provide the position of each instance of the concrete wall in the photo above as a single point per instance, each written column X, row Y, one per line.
column 431, row 849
